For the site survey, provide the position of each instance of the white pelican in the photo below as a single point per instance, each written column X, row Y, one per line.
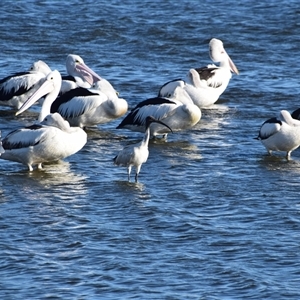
column 15, row 89
column 137, row 154
column 80, row 107
column 280, row 134
column 206, row 84
column 51, row 140
column 79, row 74
column 177, row 111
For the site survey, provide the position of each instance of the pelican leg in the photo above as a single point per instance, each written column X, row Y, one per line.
column 288, row 155
column 128, row 172
column 40, row 167
column 30, row 168
column 138, row 168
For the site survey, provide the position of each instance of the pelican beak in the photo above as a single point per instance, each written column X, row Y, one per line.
column 87, row 73
column 43, row 90
column 162, row 123
column 232, row 66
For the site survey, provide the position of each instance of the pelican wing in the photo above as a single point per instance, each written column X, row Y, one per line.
column 269, row 128
column 157, row 107
column 17, row 84
column 296, row 114
column 167, row 88
column 25, row 137
column 211, row 76
column 76, row 102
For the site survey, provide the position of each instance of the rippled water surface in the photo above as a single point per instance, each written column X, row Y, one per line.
column 213, row 216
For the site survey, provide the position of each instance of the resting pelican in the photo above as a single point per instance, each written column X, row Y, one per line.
column 177, row 111
column 206, row 84
column 79, row 74
column 280, row 134
column 80, row 107
column 51, row 140
column 15, row 89
column 137, row 154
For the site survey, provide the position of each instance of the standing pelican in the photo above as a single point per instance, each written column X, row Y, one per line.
column 280, row 134
column 177, row 110
column 80, row 107
column 51, row 140
column 137, row 154
column 206, row 84
column 17, row 88
column 79, row 74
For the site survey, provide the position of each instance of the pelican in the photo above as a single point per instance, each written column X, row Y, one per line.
column 137, row 154
column 15, row 89
column 79, row 74
column 280, row 134
column 177, row 111
column 206, row 84
column 80, row 107
column 50, row 140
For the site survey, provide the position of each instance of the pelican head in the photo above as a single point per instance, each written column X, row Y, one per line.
column 218, row 54
column 77, row 68
column 40, row 66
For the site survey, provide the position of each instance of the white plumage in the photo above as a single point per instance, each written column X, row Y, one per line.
column 51, row 140
column 206, row 84
column 137, row 154
column 280, row 134
column 177, row 110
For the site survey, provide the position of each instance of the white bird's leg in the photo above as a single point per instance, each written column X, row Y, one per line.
column 270, row 152
column 288, row 155
column 40, row 167
column 128, row 172
column 138, row 168
column 30, row 167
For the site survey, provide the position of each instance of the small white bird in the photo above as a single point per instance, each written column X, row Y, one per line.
column 280, row 134
column 137, row 154
column 17, row 88
column 51, row 140
column 206, row 84
column 177, row 110
column 79, row 74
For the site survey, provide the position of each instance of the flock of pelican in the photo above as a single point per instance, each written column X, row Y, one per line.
column 82, row 98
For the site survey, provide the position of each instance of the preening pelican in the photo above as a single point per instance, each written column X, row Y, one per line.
column 80, row 107
column 17, row 88
column 51, row 140
column 79, row 74
column 206, row 84
column 280, row 134
column 177, row 110
column 137, row 154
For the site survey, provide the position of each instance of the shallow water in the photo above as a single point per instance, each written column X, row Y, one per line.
column 213, row 216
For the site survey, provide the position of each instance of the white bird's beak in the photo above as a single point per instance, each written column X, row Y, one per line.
column 87, row 73
column 232, row 66
column 43, row 90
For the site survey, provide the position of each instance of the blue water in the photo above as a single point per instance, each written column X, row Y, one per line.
column 213, row 216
